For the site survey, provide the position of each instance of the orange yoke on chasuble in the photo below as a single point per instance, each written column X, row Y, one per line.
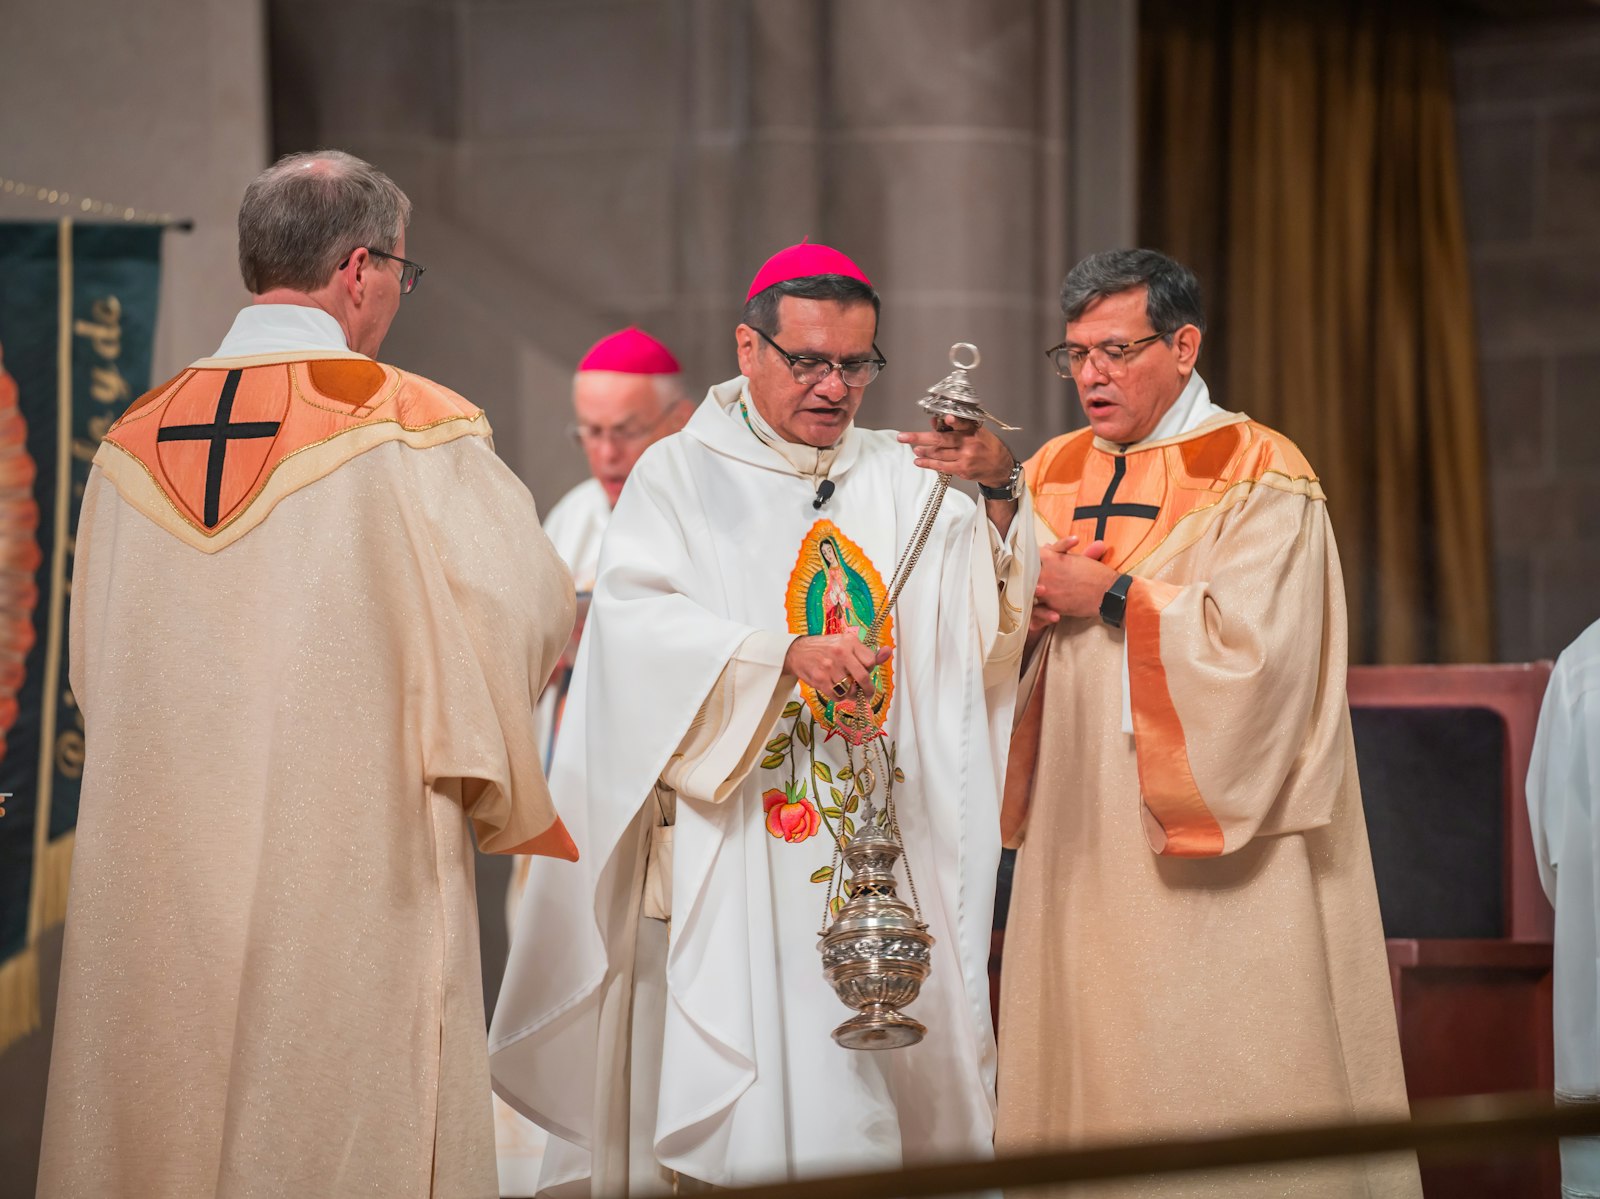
column 209, row 453
column 1148, row 505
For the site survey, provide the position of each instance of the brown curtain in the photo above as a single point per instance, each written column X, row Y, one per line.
column 1301, row 157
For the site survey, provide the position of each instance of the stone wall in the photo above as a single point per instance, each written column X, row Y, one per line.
column 1528, row 113
column 159, row 106
column 582, row 165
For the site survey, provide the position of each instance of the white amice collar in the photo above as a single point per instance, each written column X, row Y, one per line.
column 807, row 460
column 281, row 329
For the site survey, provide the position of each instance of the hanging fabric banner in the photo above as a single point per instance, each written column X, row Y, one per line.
column 77, row 325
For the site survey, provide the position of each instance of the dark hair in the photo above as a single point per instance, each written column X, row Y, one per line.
column 305, row 212
column 1172, row 293
column 761, row 309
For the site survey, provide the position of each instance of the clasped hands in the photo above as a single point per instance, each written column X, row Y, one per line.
column 1070, row 584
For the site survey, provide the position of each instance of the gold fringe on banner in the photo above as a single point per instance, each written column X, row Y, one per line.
column 19, row 996
column 55, row 868
column 20, row 1012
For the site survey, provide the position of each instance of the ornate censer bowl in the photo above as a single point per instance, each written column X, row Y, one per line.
column 878, row 952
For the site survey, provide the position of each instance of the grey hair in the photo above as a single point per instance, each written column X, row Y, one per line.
column 302, row 215
column 670, row 390
column 761, row 309
column 1172, row 293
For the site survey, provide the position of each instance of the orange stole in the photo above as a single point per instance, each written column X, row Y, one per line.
column 1071, row 480
column 1134, row 501
column 212, row 437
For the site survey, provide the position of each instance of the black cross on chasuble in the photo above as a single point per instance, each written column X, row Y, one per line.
column 1102, row 512
column 219, row 433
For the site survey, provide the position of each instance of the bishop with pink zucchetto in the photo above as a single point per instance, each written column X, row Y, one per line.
column 627, row 394
column 682, row 1037
column 808, row 260
column 629, row 351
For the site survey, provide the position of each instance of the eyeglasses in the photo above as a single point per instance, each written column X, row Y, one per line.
column 812, row 371
column 624, row 436
column 410, row 271
column 1109, row 357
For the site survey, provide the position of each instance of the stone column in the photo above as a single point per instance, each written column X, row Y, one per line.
column 926, row 138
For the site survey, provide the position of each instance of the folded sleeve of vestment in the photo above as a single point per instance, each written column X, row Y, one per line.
column 726, row 737
column 501, row 606
column 1237, row 677
column 1005, row 571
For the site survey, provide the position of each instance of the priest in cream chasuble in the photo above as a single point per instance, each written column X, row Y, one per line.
column 683, row 1036
column 311, row 610
column 1193, row 944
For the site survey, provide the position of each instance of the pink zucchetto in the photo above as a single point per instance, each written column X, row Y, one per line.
column 801, row 262
column 630, row 351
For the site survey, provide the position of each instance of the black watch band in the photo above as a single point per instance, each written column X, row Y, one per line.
column 1007, row 492
column 1114, row 603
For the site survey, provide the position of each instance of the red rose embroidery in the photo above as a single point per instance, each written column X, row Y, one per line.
column 790, row 817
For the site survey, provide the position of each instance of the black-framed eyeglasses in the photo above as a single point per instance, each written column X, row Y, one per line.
column 811, row 371
column 1111, row 357
column 410, row 271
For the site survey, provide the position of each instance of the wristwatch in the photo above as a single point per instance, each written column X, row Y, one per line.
column 1007, row 492
column 1114, row 603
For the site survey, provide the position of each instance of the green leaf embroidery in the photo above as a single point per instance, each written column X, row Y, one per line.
column 848, row 825
column 804, row 733
column 846, row 889
column 791, row 709
column 846, row 773
column 836, row 903
column 779, row 744
column 822, row 874
column 837, row 798
column 899, row 775
column 820, row 769
column 851, row 804
column 772, row 761
column 832, row 813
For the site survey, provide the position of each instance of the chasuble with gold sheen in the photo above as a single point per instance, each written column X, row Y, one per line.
column 1194, row 943
column 311, row 614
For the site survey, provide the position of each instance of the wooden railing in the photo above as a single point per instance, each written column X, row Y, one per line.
column 1458, row 1126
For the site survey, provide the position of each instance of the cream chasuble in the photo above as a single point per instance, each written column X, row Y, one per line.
column 311, row 612
column 1563, row 793
column 1193, row 944
column 575, row 526
column 715, row 559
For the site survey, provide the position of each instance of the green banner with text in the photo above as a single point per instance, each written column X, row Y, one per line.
column 77, row 326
